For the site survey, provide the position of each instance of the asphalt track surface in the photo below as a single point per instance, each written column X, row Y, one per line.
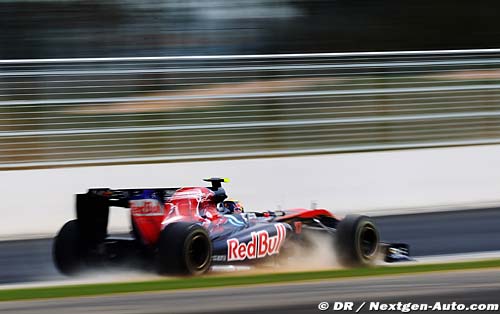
column 466, row 287
column 428, row 234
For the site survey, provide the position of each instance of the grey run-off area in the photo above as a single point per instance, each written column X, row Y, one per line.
column 467, row 287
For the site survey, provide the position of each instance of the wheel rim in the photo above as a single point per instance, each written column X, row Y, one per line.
column 198, row 252
column 368, row 242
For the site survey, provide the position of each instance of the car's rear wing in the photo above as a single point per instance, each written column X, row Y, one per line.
column 121, row 197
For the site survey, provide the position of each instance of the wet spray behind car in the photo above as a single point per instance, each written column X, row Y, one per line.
column 182, row 231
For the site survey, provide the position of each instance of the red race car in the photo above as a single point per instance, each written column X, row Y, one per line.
column 185, row 231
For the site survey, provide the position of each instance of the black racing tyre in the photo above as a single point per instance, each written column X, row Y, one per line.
column 67, row 249
column 184, row 249
column 357, row 241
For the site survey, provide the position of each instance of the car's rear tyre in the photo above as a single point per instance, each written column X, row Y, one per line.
column 184, row 249
column 67, row 249
column 357, row 241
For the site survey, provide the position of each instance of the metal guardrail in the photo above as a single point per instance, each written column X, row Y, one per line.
column 62, row 112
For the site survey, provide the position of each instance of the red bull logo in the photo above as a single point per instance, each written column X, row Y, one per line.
column 261, row 245
column 146, row 207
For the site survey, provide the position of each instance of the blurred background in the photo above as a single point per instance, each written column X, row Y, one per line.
column 209, row 85
column 198, row 92
column 92, row 83
column 67, row 28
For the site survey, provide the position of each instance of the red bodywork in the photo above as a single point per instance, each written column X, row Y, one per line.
column 192, row 204
column 305, row 213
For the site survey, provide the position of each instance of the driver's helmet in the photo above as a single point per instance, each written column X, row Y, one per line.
column 231, row 207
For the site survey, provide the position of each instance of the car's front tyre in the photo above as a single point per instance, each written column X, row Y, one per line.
column 357, row 241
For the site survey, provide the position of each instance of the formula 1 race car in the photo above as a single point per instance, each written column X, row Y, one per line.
column 184, row 231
